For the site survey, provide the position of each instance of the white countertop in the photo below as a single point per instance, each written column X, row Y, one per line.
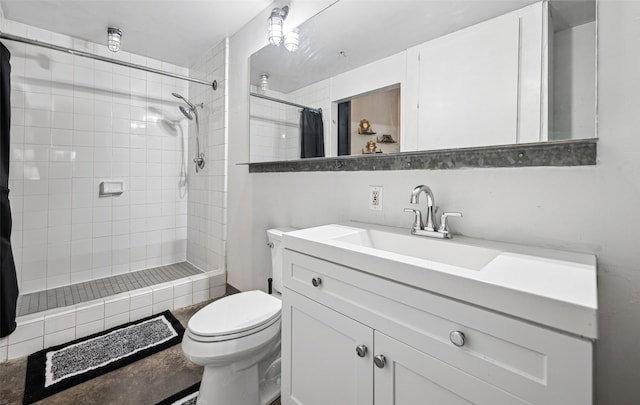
column 553, row 288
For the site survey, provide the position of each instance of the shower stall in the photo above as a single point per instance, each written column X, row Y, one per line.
column 89, row 257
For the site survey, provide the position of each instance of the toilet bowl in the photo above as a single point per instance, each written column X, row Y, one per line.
column 237, row 340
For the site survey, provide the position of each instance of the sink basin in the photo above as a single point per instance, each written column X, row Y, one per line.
column 550, row 287
column 435, row 250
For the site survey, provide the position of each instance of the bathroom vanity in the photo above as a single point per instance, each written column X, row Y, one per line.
column 372, row 314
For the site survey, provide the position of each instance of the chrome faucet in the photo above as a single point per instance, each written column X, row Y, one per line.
column 429, row 223
column 429, row 227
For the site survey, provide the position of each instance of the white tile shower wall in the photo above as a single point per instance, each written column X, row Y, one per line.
column 275, row 127
column 75, row 122
column 270, row 130
column 206, row 220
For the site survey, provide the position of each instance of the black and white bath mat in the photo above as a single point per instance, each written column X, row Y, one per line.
column 60, row 367
column 187, row 396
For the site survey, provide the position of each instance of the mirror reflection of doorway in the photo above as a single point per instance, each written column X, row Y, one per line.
column 344, row 128
column 380, row 110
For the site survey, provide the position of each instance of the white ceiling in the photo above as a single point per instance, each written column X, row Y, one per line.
column 177, row 31
column 372, row 29
column 174, row 31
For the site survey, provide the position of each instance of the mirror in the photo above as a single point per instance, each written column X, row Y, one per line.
column 464, row 74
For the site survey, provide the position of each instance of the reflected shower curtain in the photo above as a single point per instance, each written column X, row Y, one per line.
column 311, row 134
column 8, row 281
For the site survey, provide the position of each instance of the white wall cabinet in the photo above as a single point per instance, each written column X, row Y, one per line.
column 482, row 85
column 503, row 360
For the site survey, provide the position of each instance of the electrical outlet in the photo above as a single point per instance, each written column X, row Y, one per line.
column 375, row 198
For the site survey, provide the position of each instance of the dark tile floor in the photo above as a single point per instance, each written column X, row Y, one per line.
column 146, row 381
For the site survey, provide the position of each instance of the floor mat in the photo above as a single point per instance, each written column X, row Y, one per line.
column 60, row 367
column 188, row 396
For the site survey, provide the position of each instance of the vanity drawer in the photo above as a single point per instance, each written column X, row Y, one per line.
column 529, row 361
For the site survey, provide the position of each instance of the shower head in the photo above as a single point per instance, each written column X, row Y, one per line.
column 187, row 113
column 192, row 108
column 176, row 95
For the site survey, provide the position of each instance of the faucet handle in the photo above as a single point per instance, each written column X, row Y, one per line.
column 417, row 220
column 444, row 225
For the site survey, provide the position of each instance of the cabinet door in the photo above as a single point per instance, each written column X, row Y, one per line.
column 320, row 365
column 481, row 85
column 411, row 377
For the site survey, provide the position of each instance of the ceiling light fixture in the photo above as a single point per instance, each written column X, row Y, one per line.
column 291, row 40
column 264, row 82
column 276, row 23
column 114, row 35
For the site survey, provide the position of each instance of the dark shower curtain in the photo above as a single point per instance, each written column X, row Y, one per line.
column 8, row 281
column 311, row 134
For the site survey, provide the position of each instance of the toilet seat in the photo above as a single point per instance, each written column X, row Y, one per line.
column 234, row 316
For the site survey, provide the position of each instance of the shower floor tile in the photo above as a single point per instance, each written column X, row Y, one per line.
column 90, row 290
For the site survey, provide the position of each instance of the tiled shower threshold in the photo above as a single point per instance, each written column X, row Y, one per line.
column 59, row 315
column 90, row 290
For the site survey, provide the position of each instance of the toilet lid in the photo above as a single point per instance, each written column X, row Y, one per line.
column 235, row 313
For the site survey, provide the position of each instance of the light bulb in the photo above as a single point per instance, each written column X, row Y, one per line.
column 114, row 35
column 291, row 41
column 276, row 21
column 275, row 29
column 264, row 82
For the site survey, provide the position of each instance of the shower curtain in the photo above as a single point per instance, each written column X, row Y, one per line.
column 311, row 134
column 8, row 281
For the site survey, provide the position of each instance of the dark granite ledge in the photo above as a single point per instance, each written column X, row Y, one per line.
column 582, row 152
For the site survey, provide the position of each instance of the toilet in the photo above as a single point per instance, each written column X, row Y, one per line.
column 237, row 340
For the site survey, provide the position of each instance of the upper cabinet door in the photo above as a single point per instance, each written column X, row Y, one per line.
column 481, row 85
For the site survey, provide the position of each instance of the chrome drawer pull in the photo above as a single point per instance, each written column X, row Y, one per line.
column 361, row 350
column 457, row 338
column 316, row 281
column 379, row 361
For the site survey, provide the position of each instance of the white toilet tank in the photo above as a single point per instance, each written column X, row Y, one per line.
column 275, row 240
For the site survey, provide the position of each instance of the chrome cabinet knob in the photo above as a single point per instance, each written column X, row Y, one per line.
column 457, row 338
column 379, row 360
column 316, row 281
column 361, row 350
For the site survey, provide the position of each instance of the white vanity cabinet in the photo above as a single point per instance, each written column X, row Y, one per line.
column 324, row 367
column 410, row 376
column 331, row 312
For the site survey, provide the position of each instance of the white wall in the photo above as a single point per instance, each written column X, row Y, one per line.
column 588, row 209
column 241, row 234
column 75, row 122
column 206, row 223
column 574, row 74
